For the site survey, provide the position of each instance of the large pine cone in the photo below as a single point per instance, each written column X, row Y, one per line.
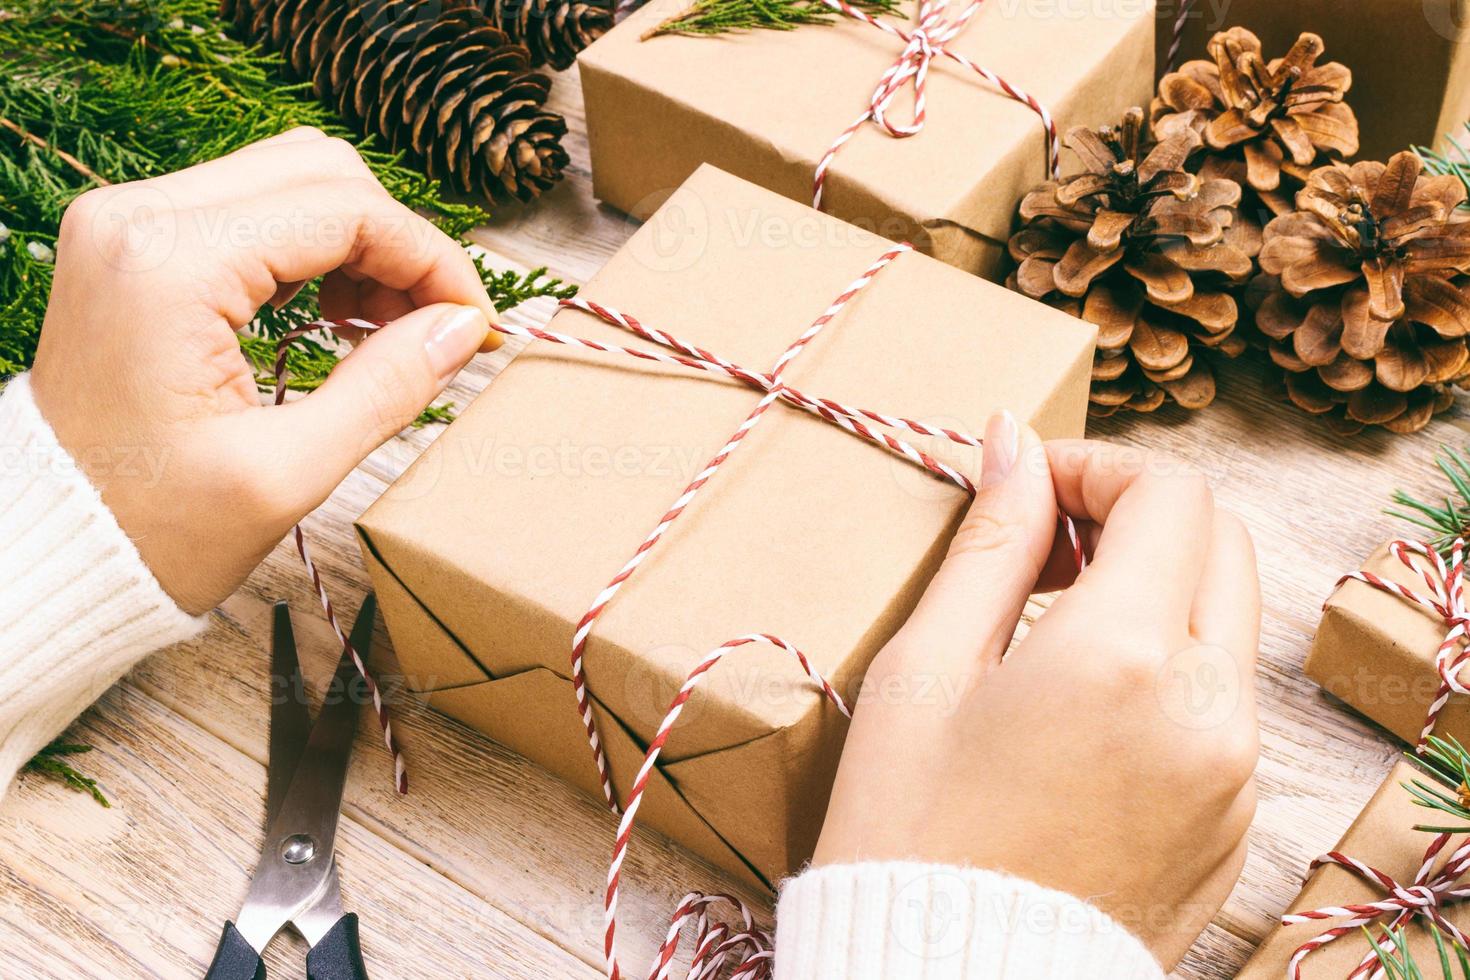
column 1265, row 124
column 1366, row 298
column 553, row 31
column 434, row 79
column 1148, row 252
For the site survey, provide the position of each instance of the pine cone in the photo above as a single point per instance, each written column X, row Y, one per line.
column 1261, row 122
column 437, row 80
column 1147, row 251
column 1366, row 298
column 552, row 30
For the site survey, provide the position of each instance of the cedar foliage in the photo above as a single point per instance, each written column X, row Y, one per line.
column 107, row 91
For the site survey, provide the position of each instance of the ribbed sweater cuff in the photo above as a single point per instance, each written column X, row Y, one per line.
column 77, row 605
column 910, row 921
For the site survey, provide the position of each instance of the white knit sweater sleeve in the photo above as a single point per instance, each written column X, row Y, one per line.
column 77, row 605
column 909, row 921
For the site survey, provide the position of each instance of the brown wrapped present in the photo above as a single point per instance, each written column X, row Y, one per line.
column 1410, row 59
column 1378, row 651
column 1382, row 841
column 487, row 552
column 767, row 106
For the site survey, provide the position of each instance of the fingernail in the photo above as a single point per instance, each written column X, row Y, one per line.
column 454, row 339
column 1002, row 444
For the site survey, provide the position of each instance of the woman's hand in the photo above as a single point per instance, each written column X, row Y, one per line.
column 141, row 377
column 1111, row 755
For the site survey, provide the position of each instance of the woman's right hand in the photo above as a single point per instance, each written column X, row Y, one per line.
column 1111, row 755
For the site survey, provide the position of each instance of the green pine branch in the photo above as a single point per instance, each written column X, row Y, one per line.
column 1399, row 962
column 110, row 91
column 723, row 16
column 1448, row 519
column 1457, row 162
column 1445, row 791
column 51, row 762
column 1447, row 763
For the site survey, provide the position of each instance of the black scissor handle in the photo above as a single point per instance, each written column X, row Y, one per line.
column 235, row 959
column 338, row 956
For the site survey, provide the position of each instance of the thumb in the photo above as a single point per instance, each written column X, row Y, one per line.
column 377, row 391
column 969, row 613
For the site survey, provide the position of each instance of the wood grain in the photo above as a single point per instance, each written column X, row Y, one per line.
column 491, row 867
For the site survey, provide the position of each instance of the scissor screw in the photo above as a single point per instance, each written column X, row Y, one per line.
column 298, row 849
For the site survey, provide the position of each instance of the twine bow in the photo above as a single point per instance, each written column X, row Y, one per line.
column 927, row 40
column 1427, row 896
column 1430, row 892
column 745, row 948
column 1444, row 598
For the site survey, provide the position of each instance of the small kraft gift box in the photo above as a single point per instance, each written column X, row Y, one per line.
column 966, row 96
column 1390, row 643
column 1410, row 59
column 1383, row 875
column 523, row 533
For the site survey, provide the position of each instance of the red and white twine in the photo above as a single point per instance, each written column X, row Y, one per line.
column 744, row 948
column 1444, row 598
column 380, row 709
column 1430, row 891
column 927, row 40
column 1426, row 896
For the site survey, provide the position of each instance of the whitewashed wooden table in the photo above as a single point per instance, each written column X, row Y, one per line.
column 493, row 868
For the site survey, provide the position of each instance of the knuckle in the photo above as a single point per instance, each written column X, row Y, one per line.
column 82, row 215
column 310, row 132
column 1236, row 753
column 1133, row 668
column 1234, row 532
column 392, row 386
column 342, row 156
column 984, row 533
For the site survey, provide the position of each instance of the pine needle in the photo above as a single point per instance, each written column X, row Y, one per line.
column 121, row 90
column 1398, row 961
column 1457, row 163
column 724, row 16
column 51, row 761
column 1450, row 518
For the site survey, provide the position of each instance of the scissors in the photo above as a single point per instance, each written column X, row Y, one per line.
column 296, row 882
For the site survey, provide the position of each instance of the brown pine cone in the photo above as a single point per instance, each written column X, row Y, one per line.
column 433, row 78
column 1146, row 251
column 553, row 31
column 1265, row 124
column 1366, row 296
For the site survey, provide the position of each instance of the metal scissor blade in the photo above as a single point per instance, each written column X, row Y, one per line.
column 290, row 720
column 297, row 867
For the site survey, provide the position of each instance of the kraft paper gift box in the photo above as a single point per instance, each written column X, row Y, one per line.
column 1410, row 59
column 766, row 105
column 1376, row 652
column 488, row 550
column 1383, row 837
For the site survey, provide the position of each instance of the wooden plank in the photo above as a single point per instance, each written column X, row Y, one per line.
column 503, row 832
column 143, row 889
column 495, row 824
